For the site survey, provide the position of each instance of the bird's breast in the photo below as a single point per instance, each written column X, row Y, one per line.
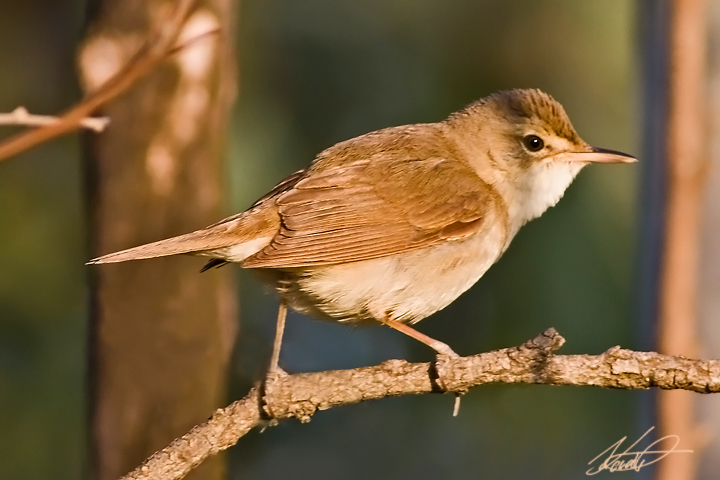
column 406, row 287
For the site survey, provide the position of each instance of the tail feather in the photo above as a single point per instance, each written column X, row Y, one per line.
column 233, row 239
column 197, row 242
column 213, row 263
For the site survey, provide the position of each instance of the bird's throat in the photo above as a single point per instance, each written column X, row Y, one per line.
column 537, row 189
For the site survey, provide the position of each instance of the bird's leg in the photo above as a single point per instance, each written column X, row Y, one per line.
column 443, row 349
column 437, row 345
column 274, row 369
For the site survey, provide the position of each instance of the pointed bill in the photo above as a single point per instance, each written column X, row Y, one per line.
column 597, row 155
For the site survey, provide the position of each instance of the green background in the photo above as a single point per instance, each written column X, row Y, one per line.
column 312, row 73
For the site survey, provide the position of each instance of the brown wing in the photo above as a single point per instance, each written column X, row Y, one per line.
column 374, row 208
column 284, row 185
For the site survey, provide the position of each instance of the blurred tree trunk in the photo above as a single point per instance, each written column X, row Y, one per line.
column 161, row 333
column 686, row 143
column 674, row 158
column 709, row 289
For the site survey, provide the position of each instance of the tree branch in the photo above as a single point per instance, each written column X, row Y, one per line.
column 301, row 395
column 154, row 51
column 20, row 116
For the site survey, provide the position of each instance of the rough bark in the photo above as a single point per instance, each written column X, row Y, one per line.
column 301, row 395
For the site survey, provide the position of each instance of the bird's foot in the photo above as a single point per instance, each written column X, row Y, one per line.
column 445, row 356
column 441, row 368
column 273, row 376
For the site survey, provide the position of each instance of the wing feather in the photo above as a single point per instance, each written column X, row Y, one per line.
column 373, row 208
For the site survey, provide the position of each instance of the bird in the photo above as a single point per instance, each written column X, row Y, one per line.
column 392, row 226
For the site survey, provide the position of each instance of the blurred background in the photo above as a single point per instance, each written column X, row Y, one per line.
column 312, row 73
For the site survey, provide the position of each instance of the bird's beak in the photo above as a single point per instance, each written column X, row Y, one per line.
column 597, row 155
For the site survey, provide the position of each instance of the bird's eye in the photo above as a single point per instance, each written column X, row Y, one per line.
column 533, row 143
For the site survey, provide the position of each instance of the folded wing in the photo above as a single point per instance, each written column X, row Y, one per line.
column 373, row 208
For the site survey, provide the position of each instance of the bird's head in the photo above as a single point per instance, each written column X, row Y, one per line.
column 522, row 142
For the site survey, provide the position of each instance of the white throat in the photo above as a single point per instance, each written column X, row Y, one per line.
column 537, row 189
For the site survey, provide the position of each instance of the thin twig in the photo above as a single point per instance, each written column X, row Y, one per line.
column 301, row 395
column 20, row 116
column 154, row 51
column 191, row 41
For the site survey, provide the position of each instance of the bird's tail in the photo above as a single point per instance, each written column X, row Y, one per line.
column 232, row 239
column 197, row 242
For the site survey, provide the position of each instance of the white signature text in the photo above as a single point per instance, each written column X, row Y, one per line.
column 634, row 460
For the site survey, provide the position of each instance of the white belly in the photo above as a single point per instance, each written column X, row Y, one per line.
column 406, row 287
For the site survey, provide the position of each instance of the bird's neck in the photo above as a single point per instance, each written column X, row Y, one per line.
column 529, row 193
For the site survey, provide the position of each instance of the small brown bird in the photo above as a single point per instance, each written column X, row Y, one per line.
column 394, row 225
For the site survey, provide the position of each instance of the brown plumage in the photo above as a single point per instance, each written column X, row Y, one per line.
column 395, row 224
